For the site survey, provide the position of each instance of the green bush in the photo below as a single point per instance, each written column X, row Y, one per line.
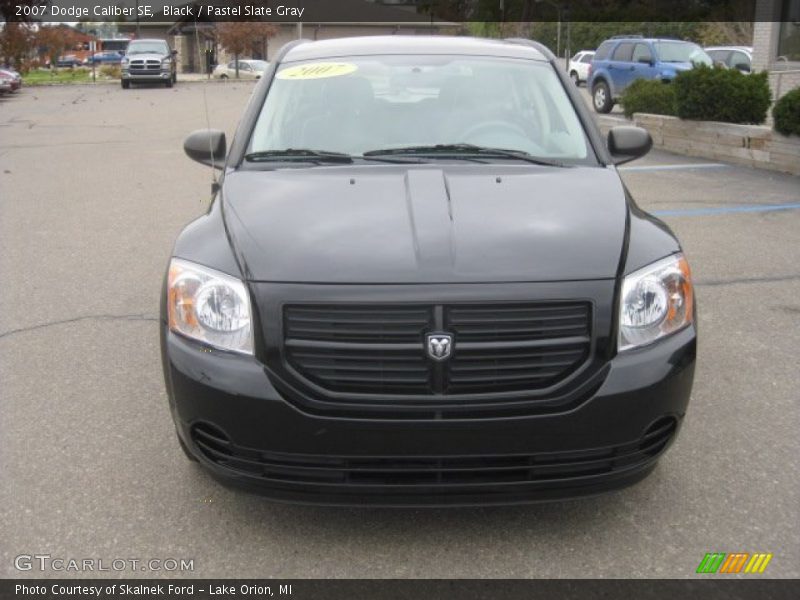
column 786, row 113
column 648, row 96
column 728, row 95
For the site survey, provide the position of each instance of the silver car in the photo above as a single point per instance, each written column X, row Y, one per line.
column 733, row 57
column 248, row 69
column 150, row 61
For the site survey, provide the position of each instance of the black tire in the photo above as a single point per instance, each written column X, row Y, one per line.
column 188, row 454
column 575, row 79
column 174, row 78
column 601, row 97
column 125, row 84
column 223, row 76
column 169, row 82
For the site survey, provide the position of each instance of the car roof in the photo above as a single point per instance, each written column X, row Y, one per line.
column 400, row 44
column 641, row 39
column 743, row 48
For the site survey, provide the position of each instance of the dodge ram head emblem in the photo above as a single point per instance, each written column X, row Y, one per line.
column 439, row 345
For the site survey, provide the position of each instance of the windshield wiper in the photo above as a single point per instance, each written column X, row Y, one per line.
column 304, row 154
column 301, row 154
column 466, row 150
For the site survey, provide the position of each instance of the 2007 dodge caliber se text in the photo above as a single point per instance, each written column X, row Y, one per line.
column 422, row 281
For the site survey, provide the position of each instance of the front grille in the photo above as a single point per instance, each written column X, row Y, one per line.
column 380, row 349
column 355, row 471
column 144, row 67
column 359, row 348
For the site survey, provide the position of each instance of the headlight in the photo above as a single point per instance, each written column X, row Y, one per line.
column 209, row 306
column 656, row 301
column 165, row 61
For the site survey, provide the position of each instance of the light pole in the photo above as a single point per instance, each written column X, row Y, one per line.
column 558, row 8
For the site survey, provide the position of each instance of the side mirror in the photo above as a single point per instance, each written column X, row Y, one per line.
column 206, row 146
column 627, row 143
column 174, row 53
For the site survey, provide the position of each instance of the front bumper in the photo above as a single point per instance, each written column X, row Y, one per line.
column 154, row 76
column 239, row 427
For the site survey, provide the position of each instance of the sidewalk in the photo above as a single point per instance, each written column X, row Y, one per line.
column 186, row 77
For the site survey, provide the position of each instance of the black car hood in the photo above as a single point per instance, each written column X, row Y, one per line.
column 426, row 224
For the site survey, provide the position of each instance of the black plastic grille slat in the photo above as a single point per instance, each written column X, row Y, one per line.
column 472, row 371
column 514, row 322
column 505, row 365
column 366, row 324
column 437, row 470
column 379, row 349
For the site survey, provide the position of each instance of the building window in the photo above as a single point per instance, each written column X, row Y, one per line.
column 789, row 33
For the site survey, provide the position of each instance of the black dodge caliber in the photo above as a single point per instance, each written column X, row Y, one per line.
column 422, row 281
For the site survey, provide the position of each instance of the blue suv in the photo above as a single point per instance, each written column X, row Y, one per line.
column 621, row 60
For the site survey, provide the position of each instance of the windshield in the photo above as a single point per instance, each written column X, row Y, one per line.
column 682, row 52
column 147, row 48
column 365, row 104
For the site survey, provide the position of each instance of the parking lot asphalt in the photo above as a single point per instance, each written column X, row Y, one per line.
column 94, row 187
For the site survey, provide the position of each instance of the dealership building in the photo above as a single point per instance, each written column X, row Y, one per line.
column 776, row 43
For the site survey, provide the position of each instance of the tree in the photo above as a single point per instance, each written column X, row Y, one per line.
column 16, row 40
column 8, row 9
column 726, row 33
column 240, row 37
column 54, row 40
column 731, row 27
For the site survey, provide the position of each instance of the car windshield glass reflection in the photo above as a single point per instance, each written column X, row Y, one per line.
column 146, row 48
column 682, row 52
column 355, row 105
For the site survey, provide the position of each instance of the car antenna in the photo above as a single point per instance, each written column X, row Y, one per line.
column 214, row 182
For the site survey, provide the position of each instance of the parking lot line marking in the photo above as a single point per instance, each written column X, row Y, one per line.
column 675, row 167
column 721, row 210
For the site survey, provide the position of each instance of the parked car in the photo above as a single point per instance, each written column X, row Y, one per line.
column 450, row 300
column 70, row 60
column 14, row 77
column 149, row 61
column 732, row 57
column 6, row 83
column 621, row 60
column 110, row 57
column 248, row 69
column 580, row 66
